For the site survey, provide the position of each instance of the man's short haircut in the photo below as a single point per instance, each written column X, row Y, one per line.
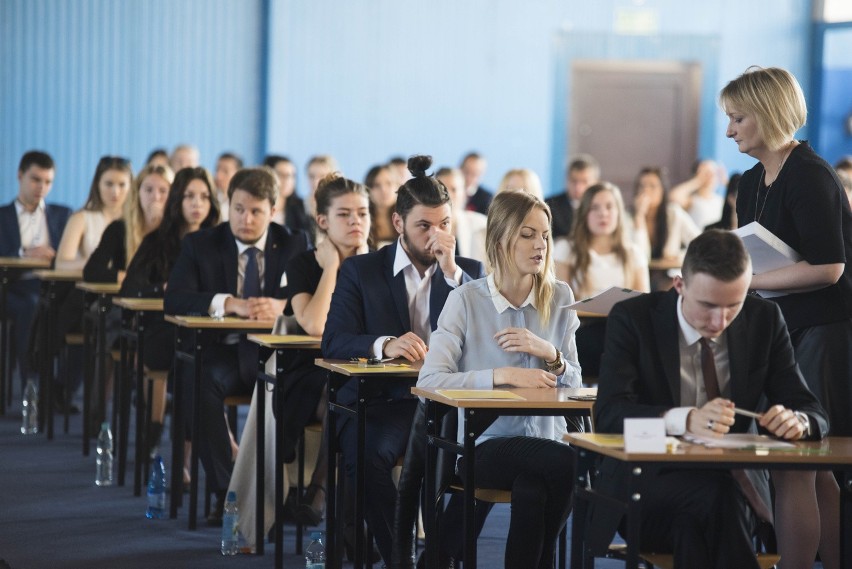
column 717, row 253
column 231, row 156
column 35, row 158
column 273, row 160
column 421, row 189
column 397, row 161
column 584, row 162
column 844, row 163
column 260, row 182
column 471, row 156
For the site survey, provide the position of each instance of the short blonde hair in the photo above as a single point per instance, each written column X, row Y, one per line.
column 531, row 182
column 775, row 99
column 505, row 217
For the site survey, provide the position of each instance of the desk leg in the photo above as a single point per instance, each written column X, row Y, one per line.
column 633, row 517
column 88, row 373
column 177, row 432
column 5, row 373
column 279, row 463
column 333, row 519
column 49, row 352
column 469, row 492
column 431, row 488
column 580, row 556
column 196, row 430
column 141, row 422
column 360, row 486
column 260, row 462
column 123, row 399
column 102, row 355
column 846, row 520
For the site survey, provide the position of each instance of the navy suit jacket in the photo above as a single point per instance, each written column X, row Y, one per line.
column 640, row 377
column 207, row 265
column 10, row 233
column 369, row 302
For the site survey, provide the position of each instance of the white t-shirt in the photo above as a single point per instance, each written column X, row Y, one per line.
column 604, row 271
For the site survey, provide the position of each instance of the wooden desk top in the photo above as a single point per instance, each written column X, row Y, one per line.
column 54, row 275
column 24, row 263
column 397, row 368
column 139, row 304
column 665, row 264
column 226, row 323
column 286, row 340
column 530, row 398
column 99, row 288
column 832, row 450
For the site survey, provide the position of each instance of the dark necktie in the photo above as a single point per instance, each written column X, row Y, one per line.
column 248, row 352
column 711, row 386
column 251, row 282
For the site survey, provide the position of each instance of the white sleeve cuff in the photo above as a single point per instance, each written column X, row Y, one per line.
column 217, row 305
column 378, row 345
column 456, row 279
column 676, row 420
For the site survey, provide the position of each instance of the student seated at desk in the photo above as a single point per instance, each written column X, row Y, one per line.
column 512, row 329
column 107, row 194
column 599, row 255
column 142, row 213
column 689, row 355
column 386, row 304
column 235, row 268
column 343, row 219
column 190, row 206
column 29, row 228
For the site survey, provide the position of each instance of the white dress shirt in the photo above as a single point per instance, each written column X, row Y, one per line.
column 217, row 305
column 33, row 226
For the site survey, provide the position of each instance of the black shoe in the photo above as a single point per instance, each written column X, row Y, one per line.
column 290, row 510
column 214, row 519
column 308, row 515
column 373, row 556
column 59, row 401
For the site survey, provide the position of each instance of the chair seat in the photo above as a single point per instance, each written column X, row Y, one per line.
column 488, row 494
column 73, row 339
column 666, row 560
column 237, row 400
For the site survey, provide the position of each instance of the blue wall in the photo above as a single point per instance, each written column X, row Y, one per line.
column 83, row 78
column 363, row 81
column 835, row 140
column 360, row 80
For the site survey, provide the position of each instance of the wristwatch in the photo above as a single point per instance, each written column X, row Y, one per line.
column 556, row 364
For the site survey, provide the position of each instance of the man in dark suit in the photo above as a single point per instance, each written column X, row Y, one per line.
column 583, row 172
column 386, row 305
column 689, row 355
column 30, row 228
column 236, row 268
column 478, row 197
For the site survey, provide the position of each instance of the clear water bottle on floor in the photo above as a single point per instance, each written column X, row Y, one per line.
column 230, row 526
column 103, row 475
column 29, row 409
column 157, row 490
column 315, row 553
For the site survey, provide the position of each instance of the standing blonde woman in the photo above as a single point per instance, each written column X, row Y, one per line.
column 796, row 195
column 511, row 328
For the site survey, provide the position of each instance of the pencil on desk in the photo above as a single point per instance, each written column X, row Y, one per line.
column 746, row 413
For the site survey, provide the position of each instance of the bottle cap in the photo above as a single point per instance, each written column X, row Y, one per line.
column 316, row 535
column 232, row 496
column 105, row 425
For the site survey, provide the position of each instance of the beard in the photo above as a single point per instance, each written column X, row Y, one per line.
column 425, row 258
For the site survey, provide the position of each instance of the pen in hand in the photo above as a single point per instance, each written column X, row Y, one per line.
column 746, row 413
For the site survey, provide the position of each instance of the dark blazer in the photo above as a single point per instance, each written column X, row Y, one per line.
column 480, row 200
column 562, row 214
column 640, row 377
column 369, row 302
column 110, row 256
column 10, row 233
column 207, row 265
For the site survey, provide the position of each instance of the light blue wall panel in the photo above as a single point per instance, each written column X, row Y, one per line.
column 365, row 80
column 83, row 78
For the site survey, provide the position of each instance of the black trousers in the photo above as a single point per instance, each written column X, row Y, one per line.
column 539, row 474
column 388, row 426
column 701, row 516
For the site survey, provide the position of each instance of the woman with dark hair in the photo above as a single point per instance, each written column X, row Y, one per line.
column 190, row 206
column 663, row 229
column 382, row 182
column 290, row 208
column 729, row 210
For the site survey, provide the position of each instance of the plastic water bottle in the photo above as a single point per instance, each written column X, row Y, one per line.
column 315, row 553
column 29, row 409
column 230, row 526
column 157, row 490
column 103, row 475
